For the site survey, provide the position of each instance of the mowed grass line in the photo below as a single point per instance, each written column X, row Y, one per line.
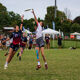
column 64, row 64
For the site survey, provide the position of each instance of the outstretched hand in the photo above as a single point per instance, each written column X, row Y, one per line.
column 33, row 11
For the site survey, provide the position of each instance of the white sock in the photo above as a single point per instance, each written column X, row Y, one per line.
column 45, row 62
column 38, row 63
column 6, row 63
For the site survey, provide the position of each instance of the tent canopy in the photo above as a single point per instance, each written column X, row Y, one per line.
column 50, row 31
column 75, row 33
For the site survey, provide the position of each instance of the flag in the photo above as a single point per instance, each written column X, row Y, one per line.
column 53, row 23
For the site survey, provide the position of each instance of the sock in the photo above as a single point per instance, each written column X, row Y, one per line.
column 37, row 54
column 6, row 63
column 45, row 62
column 17, row 54
column 19, row 58
column 38, row 63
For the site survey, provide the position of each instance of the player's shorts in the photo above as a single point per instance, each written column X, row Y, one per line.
column 47, row 41
column 4, row 44
column 14, row 47
column 40, row 42
column 22, row 46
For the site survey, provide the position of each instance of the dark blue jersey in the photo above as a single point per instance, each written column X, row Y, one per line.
column 3, row 40
column 16, row 37
column 23, row 39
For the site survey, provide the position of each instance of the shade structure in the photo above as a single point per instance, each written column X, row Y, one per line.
column 50, row 31
column 75, row 33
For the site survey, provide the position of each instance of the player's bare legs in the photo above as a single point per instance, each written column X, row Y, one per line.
column 42, row 53
column 38, row 58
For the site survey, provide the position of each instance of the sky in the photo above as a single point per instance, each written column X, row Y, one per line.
column 40, row 7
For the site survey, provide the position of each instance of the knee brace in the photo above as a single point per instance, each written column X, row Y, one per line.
column 37, row 54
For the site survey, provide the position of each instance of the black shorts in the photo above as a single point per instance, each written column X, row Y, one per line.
column 59, row 44
column 4, row 44
column 47, row 42
column 40, row 42
column 30, row 42
column 14, row 47
column 22, row 46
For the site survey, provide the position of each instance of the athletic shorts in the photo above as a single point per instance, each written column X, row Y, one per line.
column 47, row 41
column 14, row 47
column 22, row 46
column 40, row 42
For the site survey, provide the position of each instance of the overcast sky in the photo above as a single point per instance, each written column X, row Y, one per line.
column 18, row 6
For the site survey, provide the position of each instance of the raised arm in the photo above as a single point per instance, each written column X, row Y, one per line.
column 35, row 16
column 21, row 22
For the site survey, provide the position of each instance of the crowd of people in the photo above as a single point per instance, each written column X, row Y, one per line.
column 31, row 41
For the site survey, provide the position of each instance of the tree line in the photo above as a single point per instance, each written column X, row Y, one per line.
column 62, row 22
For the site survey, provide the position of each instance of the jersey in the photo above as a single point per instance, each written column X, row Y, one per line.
column 23, row 39
column 3, row 40
column 16, row 37
column 39, row 31
column 47, row 39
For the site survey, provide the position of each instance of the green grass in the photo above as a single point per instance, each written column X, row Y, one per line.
column 65, row 44
column 64, row 64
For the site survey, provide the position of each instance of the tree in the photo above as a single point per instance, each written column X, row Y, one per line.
column 49, row 17
column 66, row 26
column 77, row 20
column 75, row 27
column 67, row 13
column 15, row 19
column 4, row 17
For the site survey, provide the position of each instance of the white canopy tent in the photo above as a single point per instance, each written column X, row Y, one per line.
column 75, row 33
column 49, row 31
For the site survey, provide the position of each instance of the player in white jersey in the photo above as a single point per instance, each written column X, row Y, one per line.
column 39, row 42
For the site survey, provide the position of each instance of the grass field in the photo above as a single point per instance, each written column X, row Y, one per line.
column 64, row 64
column 65, row 44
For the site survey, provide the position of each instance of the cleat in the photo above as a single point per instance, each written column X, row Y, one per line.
column 19, row 58
column 38, row 67
column 6, row 54
column 46, row 66
column 5, row 67
column 17, row 54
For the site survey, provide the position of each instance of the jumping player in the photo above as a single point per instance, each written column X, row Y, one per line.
column 22, row 45
column 16, row 35
column 39, row 42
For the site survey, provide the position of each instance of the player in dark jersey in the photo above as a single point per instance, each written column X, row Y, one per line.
column 16, row 35
column 47, row 39
column 22, row 45
column 30, row 41
column 3, row 43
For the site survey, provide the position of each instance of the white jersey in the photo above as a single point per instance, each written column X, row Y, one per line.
column 39, row 31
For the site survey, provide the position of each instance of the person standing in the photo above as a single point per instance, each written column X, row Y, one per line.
column 22, row 45
column 47, row 39
column 59, row 41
